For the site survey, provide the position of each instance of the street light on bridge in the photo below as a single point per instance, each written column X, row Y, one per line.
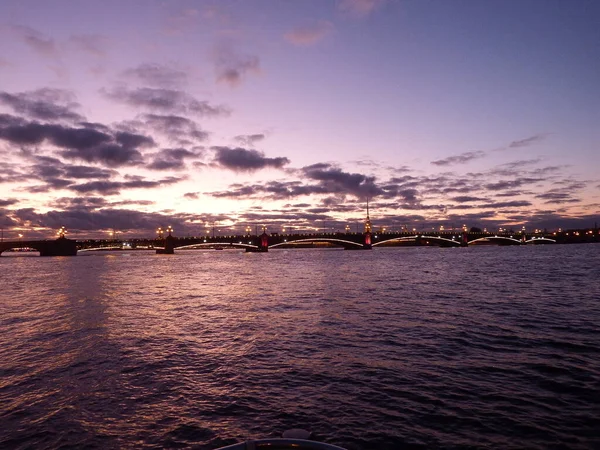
column 170, row 230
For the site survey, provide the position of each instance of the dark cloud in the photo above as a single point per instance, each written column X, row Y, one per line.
column 98, row 221
column 334, row 180
column 165, row 100
column 527, row 142
column 275, row 190
column 79, row 203
column 87, row 172
column 43, row 104
column 6, row 219
column 44, row 167
column 157, row 75
column 249, row 139
column 95, row 126
column 87, row 144
column 513, row 168
column 50, row 184
column 133, row 140
column 110, row 155
column 76, row 138
column 7, row 120
column 115, row 187
column 465, row 199
column 53, row 173
column 459, row 159
column 245, row 160
column 563, row 194
column 405, row 179
column 554, row 196
column 176, row 128
column 232, row 67
column 328, row 180
column 172, row 159
column 10, row 172
column 90, row 203
column 511, row 204
column 409, row 195
column 512, row 193
column 8, row 202
column 24, row 133
column 511, row 184
column 548, row 170
column 192, row 195
column 569, row 184
column 317, row 166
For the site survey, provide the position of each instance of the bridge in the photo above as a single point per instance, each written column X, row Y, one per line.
column 347, row 241
column 264, row 242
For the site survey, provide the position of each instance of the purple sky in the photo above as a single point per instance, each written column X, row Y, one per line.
column 139, row 114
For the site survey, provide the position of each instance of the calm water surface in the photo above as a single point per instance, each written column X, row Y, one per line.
column 495, row 347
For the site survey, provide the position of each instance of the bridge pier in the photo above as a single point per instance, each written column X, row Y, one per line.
column 368, row 245
column 169, row 246
column 262, row 246
column 60, row 247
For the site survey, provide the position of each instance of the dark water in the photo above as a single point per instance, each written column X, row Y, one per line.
column 495, row 347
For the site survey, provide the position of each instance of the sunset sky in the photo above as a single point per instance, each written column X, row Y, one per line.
column 130, row 115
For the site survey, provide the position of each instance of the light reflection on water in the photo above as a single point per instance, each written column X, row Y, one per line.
column 423, row 346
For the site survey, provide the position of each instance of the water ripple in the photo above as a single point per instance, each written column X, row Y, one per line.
column 396, row 348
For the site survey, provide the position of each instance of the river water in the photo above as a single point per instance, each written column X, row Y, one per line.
column 489, row 347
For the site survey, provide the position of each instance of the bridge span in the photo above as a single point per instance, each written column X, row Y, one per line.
column 55, row 247
column 264, row 242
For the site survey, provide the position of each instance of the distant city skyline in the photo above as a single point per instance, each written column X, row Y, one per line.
column 133, row 115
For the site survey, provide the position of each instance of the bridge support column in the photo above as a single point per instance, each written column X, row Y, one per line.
column 60, row 247
column 464, row 242
column 169, row 246
column 262, row 244
column 368, row 245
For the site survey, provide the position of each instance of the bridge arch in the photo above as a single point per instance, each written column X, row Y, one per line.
column 396, row 239
column 58, row 247
column 442, row 240
column 540, row 240
column 341, row 242
column 216, row 244
column 97, row 249
column 415, row 238
column 500, row 240
column 16, row 246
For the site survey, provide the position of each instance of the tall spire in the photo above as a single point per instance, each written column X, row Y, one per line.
column 368, row 221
